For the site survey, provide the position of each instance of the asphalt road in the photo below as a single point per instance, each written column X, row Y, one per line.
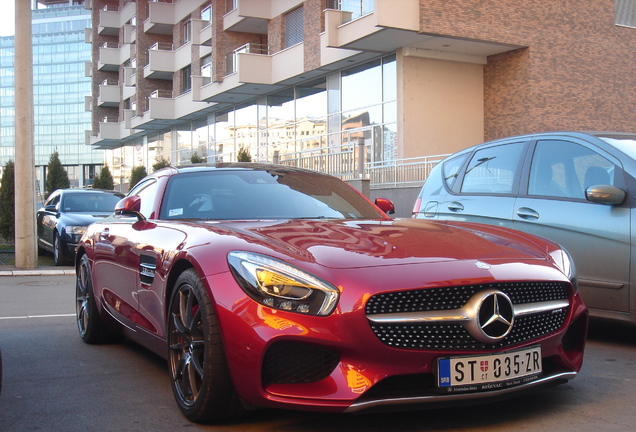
column 54, row 382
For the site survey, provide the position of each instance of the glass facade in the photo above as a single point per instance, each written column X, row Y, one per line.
column 59, row 90
column 321, row 125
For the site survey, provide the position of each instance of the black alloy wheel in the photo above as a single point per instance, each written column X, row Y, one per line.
column 198, row 371
column 58, row 255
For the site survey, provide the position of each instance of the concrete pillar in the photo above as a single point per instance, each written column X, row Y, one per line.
column 25, row 238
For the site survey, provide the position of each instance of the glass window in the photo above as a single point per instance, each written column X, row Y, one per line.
column 206, row 13
column 451, row 170
column 186, row 77
column 389, row 79
column 362, row 86
column 294, row 27
column 311, row 100
column 146, row 191
column 187, row 32
column 492, row 170
column 206, row 69
column 565, row 169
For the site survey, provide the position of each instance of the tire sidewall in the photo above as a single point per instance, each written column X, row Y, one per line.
column 217, row 399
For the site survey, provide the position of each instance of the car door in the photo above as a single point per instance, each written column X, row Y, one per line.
column 553, row 205
column 47, row 220
column 486, row 188
column 117, row 264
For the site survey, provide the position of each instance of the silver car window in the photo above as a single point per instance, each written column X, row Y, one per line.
column 565, row 169
column 492, row 169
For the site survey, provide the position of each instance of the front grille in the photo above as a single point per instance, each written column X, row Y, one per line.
column 453, row 335
column 447, row 298
column 291, row 362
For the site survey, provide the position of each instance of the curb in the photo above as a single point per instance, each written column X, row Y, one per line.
column 38, row 272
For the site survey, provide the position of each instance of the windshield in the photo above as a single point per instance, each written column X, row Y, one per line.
column 252, row 194
column 625, row 143
column 89, row 202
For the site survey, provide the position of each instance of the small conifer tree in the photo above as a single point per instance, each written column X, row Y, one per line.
column 160, row 163
column 7, row 202
column 104, row 180
column 196, row 159
column 243, row 155
column 138, row 173
column 56, row 176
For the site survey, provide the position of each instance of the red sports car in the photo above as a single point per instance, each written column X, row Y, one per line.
column 272, row 286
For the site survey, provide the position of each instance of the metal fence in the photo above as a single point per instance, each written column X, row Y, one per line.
column 348, row 163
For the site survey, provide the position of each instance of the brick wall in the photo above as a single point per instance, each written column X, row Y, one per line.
column 576, row 70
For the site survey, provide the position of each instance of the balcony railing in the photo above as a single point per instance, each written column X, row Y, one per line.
column 355, row 8
column 347, row 163
column 161, row 94
column 161, row 46
column 230, row 59
column 230, row 5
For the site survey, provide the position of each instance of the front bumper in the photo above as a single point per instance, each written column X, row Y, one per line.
column 338, row 364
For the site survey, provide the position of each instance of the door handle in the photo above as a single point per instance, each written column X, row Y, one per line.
column 456, row 206
column 527, row 213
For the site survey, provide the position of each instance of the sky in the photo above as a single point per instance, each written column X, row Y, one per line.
column 7, row 17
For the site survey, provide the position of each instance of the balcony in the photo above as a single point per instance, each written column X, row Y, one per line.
column 161, row 62
column 111, row 19
column 231, row 59
column 130, row 76
column 110, row 129
column 201, row 32
column 251, row 72
column 111, row 56
column 130, row 33
column 109, row 94
column 163, row 16
column 88, row 69
column 378, row 26
column 248, row 16
column 164, row 110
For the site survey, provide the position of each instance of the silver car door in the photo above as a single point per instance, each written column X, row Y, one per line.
column 596, row 235
column 487, row 188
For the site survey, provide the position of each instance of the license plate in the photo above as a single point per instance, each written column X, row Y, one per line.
column 490, row 371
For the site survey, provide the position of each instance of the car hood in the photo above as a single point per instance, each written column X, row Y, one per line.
column 354, row 244
column 82, row 218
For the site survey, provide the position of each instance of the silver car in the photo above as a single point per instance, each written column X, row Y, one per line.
column 577, row 189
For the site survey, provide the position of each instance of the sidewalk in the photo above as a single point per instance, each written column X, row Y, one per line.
column 45, row 266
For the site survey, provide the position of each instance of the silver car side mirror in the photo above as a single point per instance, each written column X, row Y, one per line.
column 605, row 194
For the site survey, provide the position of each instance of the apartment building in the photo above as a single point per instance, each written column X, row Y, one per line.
column 351, row 86
column 60, row 86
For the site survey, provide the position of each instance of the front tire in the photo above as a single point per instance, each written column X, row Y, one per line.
column 58, row 254
column 199, row 375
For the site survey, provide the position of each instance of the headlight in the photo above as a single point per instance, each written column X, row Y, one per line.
column 565, row 263
column 75, row 231
column 279, row 285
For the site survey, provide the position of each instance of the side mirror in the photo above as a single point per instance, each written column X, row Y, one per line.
column 386, row 205
column 605, row 194
column 130, row 206
column 51, row 208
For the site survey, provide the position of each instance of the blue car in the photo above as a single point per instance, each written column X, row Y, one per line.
column 576, row 189
column 66, row 214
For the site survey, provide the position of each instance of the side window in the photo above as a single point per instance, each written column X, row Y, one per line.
column 493, row 169
column 146, row 191
column 451, row 170
column 53, row 200
column 565, row 169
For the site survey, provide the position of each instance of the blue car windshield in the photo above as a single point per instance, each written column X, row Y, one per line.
column 89, row 202
column 255, row 194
